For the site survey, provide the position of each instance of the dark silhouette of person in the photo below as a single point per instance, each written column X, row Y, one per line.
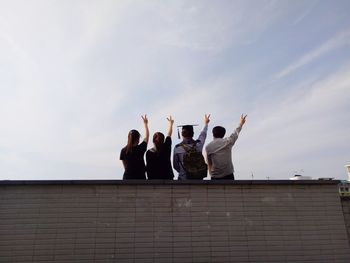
column 158, row 164
column 132, row 155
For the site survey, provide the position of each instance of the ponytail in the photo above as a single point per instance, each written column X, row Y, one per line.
column 158, row 140
column 133, row 137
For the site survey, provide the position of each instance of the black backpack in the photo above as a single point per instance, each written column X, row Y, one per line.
column 193, row 162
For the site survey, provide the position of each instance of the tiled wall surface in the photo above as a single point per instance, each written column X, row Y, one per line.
column 172, row 223
column 346, row 211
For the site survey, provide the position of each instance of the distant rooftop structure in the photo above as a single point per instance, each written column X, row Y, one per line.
column 326, row 178
column 300, row 177
column 344, row 188
column 347, row 167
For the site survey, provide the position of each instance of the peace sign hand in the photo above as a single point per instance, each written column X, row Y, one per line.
column 170, row 120
column 242, row 121
column 145, row 119
column 206, row 118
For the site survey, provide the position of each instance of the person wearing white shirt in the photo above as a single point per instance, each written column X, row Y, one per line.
column 219, row 152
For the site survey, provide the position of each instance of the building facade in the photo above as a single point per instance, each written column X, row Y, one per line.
column 160, row 221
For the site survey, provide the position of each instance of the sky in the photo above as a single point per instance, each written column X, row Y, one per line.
column 76, row 76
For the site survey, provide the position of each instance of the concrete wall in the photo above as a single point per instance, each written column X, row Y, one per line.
column 241, row 221
column 345, row 201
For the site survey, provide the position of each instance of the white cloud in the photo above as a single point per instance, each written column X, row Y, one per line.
column 77, row 76
column 340, row 39
column 297, row 132
column 307, row 10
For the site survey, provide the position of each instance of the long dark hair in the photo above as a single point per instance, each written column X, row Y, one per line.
column 158, row 140
column 133, row 137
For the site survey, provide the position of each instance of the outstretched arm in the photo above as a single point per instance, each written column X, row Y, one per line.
column 234, row 136
column 203, row 134
column 242, row 121
column 145, row 122
column 170, row 127
column 206, row 119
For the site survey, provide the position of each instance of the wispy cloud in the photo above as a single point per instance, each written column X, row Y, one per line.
column 307, row 11
column 293, row 132
column 75, row 77
column 340, row 39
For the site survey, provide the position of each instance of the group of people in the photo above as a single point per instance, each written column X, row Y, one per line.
column 188, row 159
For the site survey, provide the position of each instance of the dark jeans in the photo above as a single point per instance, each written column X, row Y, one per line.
column 226, row 177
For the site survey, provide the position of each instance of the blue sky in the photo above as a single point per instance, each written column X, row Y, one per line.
column 75, row 77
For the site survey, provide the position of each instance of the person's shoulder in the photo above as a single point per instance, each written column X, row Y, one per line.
column 152, row 150
column 150, row 153
column 122, row 155
column 211, row 144
column 178, row 145
column 197, row 143
column 123, row 150
column 142, row 145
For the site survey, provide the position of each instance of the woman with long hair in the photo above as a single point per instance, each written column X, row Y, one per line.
column 132, row 154
column 158, row 157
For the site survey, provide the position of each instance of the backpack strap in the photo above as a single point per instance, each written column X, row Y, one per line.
column 187, row 148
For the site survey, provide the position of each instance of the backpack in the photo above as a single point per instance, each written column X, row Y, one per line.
column 193, row 163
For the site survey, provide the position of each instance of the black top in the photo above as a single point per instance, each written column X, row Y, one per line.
column 135, row 164
column 158, row 163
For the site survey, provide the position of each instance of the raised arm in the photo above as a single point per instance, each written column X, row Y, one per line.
column 203, row 134
column 145, row 122
column 242, row 120
column 206, row 119
column 170, row 126
column 234, row 136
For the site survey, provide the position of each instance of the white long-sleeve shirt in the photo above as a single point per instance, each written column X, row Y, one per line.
column 219, row 155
